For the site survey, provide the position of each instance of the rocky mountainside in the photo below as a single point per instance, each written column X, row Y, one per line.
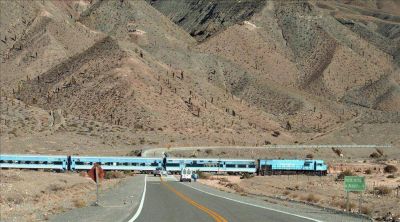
column 203, row 72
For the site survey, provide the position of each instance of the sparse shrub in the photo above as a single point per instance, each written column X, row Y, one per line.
column 266, row 142
column 15, row 199
column 223, row 180
column 114, row 175
column 79, row 203
column 382, row 190
column 391, row 176
column 286, row 192
column 246, row 176
column 366, row 210
column 342, row 204
column 294, row 195
column 235, row 187
column 374, row 155
column 309, row 156
column 203, row 175
column 276, row 134
column 337, row 151
column 368, row 171
column 209, row 151
column 312, row 198
column 341, row 175
column 56, row 187
column 135, row 153
column 390, row 169
column 380, row 151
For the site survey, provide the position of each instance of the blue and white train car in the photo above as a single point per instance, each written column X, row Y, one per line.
column 175, row 165
column 271, row 167
column 34, row 162
column 116, row 163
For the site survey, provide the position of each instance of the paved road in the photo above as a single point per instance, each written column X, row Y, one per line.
column 168, row 200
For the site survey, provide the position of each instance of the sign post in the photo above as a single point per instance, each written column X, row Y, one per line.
column 97, row 174
column 354, row 184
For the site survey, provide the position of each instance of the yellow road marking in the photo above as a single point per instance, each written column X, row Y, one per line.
column 217, row 217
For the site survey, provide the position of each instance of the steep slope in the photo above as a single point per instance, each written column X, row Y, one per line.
column 39, row 40
column 204, row 18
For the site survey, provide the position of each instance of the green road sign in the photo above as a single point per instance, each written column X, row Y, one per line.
column 354, row 183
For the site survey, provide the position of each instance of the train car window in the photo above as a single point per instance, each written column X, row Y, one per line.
column 173, row 164
column 230, row 165
column 242, row 165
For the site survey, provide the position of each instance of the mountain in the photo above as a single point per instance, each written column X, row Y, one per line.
column 202, row 72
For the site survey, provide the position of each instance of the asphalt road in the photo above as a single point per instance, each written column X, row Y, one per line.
column 169, row 200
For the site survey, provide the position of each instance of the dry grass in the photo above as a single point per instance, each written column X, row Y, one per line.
column 382, row 190
column 55, row 187
column 366, row 210
column 342, row 204
column 311, row 198
column 203, row 175
column 114, row 175
column 79, row 203
column 235, row 187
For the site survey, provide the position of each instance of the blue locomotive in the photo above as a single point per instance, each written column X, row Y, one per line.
column 279, row 167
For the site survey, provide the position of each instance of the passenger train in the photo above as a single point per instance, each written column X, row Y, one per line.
column 173, row 165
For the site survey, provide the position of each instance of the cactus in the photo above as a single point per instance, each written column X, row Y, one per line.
column 182, row 75
column 160, row 90
column 288, row 125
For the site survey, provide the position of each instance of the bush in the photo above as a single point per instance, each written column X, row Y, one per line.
column 391, row 176
column 209, row 151
column 56, row 187
column 203, row 175
column 310, row 198
column 368, row 171
column 235, row 187
column 342, row 204
column 379, row 151
column 114, row 175
column 382, row 190
column 390, row 169
column 366, row 210
column 374, row 155
column 310, row 156
column 135, row 153
column 337, row 151
column 276, row 134
column 79, row 203
column 341, row 175
column 246, row 176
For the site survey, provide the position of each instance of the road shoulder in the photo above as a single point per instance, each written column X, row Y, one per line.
column 118, row 204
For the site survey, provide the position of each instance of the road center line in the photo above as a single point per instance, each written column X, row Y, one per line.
column 217, row 217
column 253, row 205
column 141, row 202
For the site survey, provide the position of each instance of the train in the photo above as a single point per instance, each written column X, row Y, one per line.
column 170, row 164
